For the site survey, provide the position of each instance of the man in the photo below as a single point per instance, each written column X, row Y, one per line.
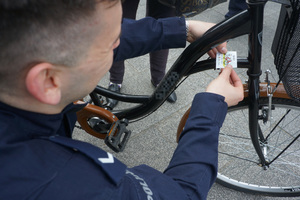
column 157, row 59
column 235, row 7
column 55, row 52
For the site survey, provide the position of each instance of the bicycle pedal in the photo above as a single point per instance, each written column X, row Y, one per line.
column 118, row 136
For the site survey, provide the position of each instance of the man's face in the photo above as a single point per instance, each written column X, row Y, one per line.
column 83, row 79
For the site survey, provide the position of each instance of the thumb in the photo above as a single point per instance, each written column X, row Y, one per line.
column 226, row 72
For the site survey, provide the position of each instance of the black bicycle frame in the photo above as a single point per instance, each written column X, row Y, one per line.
column 247, row 22
column 254, row 72
column 183, row 66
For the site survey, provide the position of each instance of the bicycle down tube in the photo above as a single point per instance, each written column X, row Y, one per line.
column 224, row 31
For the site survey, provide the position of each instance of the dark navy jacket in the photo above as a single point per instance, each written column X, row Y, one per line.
column 39, row 160
column 34, row 165
column 147, row 35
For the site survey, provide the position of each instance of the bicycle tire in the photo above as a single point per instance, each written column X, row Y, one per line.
column 238, row 161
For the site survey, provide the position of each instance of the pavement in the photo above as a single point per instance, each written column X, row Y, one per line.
column 153, row 138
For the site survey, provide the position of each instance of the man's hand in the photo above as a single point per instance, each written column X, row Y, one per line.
column 229, row 85
column 197, row 29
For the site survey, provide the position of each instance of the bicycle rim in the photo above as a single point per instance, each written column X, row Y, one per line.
column 238, row 161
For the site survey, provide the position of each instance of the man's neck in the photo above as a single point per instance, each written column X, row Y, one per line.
column 30, row 104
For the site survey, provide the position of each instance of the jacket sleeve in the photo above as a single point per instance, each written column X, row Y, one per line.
column 193, row 167
column 140, row 37
column 194, row 163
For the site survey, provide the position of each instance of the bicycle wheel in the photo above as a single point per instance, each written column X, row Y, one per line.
column 238, row 161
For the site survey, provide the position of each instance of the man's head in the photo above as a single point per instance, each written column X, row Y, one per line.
column 52, row 52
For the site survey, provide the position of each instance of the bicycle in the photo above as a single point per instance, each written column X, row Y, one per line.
column 262, row 149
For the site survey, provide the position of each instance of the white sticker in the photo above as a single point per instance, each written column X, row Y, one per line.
column 223, row 60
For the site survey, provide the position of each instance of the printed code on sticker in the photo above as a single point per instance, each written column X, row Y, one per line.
column 223, row 60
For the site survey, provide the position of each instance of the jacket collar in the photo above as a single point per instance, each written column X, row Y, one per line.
column 17, row 125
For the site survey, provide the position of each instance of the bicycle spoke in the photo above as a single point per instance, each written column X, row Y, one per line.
column 239, row 161
column 286, row 172
column 277, row 124
column 246, row 138
column 276, row 148
column 237, row 157
column 285, row 149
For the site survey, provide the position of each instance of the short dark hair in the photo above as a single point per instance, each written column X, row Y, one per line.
column 33, row 31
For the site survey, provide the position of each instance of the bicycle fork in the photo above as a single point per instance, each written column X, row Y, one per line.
column 266, row 116
column 254, row 72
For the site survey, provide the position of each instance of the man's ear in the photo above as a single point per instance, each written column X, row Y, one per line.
column 43, row 83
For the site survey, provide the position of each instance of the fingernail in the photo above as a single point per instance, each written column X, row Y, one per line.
column 224, row 49
column 229, row 65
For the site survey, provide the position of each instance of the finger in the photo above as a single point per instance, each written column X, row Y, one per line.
column 230, row 81
column 237, row 82
column 211, row 54
column 215, row 51
column 222, row 48
column 220, row 71
column 226, row 72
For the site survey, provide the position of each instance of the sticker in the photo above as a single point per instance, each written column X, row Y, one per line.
column 223, row 60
